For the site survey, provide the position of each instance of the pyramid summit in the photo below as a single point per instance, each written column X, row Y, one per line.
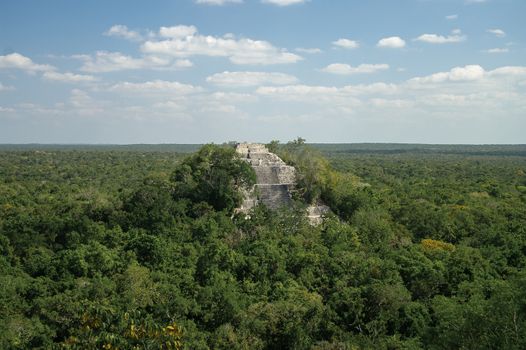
column 275, row 180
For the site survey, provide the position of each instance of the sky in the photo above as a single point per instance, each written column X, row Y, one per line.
column 199, row 71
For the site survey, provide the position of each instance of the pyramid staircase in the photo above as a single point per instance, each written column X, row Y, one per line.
column 275, row 179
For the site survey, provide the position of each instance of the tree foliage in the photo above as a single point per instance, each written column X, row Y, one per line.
column 117, row 248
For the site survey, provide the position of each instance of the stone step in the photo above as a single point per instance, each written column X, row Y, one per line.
column 273, row 176
column 286, row 174
column 266, row 175
column 281, row 174
column 263, row 159
column 274, row 196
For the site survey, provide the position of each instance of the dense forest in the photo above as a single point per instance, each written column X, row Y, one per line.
column 140, row 247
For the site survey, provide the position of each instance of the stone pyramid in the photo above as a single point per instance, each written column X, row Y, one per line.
column 275, row 179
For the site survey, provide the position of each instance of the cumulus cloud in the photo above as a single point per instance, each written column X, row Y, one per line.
column 393, row 42
column 466, row 92
column 510, row 71
column 183, row 63
column 471, row 73
column 155, row 87
column 309, row 50
column 80, row 103
column 122, row 31
column 184, row 41
column 103, row 62
column 297, row 92
column 218, row 2
column 346, row 43
column 6, row 109
column 497, row 50
column 346, row 69
column 231, row 97
column 68, row 77
column 451, row 17
column 18, row 61
column 80, row 99
column 497, row 32
column 466, row 73
column 245, row 79
column 177, row 32
column 5, row 88
column 461, row 91
column 283, row 2
column 455, row 37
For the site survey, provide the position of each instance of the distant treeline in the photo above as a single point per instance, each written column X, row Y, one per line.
column 177, row 148
column 326, row 148
column 397, row 148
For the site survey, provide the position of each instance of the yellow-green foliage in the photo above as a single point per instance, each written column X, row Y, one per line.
column 434, row 245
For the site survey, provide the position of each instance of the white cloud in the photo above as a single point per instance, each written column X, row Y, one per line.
column 156, row 87
column 467, row 73
column 393, row 42
column 5, row 88
column 218, row 2
column 103, row 62
column 455, row 37
column 80, row 99
column 471, row 73
column 308, row 50
column 6, row 109
column 497, row 32
column 170, row 106
column 371, row 89
column 218, row 108
column 244, row 79
column 462, row 92
column 346, row 43
column 391, row 103
column 68, row 77
column 466, row 95
column 122, row 31
column 183, row 63
column 231, row 97
column 306, row 93
column 188, row 106
column 498, row 50
column 184, row 41
column 177, row 32
column 80, row 103
column 18, row 61
column 451, row 17
column 346, row 69
column 283, row 2
column 511, row 71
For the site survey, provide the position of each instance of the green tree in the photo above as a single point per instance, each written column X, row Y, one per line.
column 214, row 175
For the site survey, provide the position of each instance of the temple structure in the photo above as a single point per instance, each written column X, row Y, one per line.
column 275, row 181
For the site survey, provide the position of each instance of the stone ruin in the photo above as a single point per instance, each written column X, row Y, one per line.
column 275, row 181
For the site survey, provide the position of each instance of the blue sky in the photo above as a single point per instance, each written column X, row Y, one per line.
column 193, row 71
